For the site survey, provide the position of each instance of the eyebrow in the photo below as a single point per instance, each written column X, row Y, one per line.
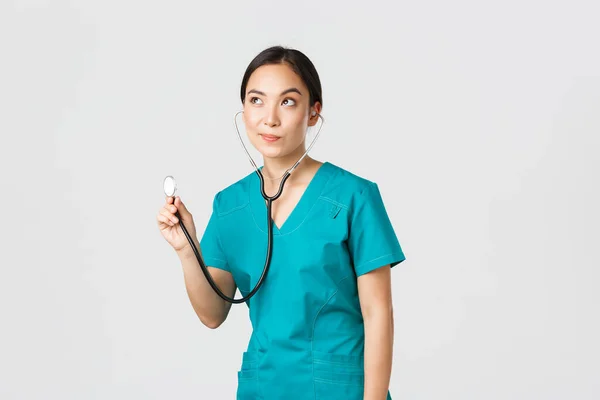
column 290, row 90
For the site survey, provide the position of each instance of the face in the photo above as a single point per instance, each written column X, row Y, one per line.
column 277, row 111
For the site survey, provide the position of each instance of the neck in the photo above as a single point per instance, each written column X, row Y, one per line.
column 274, row 168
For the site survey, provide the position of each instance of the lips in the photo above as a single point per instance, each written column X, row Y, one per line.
column 269, row 138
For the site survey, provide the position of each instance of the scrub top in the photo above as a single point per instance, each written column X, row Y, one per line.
column 307, row 337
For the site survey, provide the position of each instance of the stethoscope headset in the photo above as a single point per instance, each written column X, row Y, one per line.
column 170, row 186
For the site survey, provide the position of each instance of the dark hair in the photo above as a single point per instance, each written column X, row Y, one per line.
column 299, row 63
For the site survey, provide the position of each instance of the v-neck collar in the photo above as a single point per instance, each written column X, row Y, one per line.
column 298, row 214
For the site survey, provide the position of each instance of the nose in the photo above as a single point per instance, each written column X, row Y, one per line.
column 272, row 117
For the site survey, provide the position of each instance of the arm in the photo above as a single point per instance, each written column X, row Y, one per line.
column 208, row 305
column 375, row 294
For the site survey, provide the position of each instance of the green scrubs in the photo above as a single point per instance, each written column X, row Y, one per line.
column 308, row 332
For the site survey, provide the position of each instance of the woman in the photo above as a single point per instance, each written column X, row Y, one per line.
column 322, row 320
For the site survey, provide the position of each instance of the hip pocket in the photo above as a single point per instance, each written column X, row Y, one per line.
column 338, row 376
column 247, row 377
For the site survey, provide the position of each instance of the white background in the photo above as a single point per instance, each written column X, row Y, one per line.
column 479, row 121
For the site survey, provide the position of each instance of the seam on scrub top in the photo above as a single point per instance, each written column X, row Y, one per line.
column 362, row 189
column 232, row 210
column 255, row 222
column 375, row 259
column 301, row 222
column 226, row 261
column 345, row 207
column 312, row 334
column 310, row 209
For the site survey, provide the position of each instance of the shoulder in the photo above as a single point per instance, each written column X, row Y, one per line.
column 234, row 196
column 347, row 188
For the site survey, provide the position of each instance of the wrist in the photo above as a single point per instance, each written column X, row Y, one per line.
column 186, row 253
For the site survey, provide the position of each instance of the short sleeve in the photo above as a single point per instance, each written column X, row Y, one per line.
column 210, row 245
column 372, row 241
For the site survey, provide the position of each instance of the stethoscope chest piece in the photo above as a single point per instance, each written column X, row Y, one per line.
column 169, row 186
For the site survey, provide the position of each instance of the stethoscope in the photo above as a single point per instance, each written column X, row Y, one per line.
column 170, row 186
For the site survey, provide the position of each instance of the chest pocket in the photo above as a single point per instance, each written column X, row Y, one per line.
column 334, row 210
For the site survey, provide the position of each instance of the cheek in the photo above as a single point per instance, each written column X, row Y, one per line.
column 299, row 124
column 252, row 123
column 251, row 117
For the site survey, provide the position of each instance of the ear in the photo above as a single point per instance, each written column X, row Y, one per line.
column 313, row 115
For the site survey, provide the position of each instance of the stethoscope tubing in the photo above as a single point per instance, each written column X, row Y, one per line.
column 269, row 245
column 269, row 201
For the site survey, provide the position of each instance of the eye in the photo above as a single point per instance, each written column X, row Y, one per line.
column 288, row 100
column 254, row 98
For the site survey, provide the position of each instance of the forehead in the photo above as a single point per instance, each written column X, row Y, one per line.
column 275, row 78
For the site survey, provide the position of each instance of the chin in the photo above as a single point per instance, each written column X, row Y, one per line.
column 271, row 152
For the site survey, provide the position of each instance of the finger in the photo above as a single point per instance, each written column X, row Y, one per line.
column 169, row 215
column 170, row 208
column 164, row 221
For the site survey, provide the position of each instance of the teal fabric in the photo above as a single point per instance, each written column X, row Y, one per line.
column 308, row 334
